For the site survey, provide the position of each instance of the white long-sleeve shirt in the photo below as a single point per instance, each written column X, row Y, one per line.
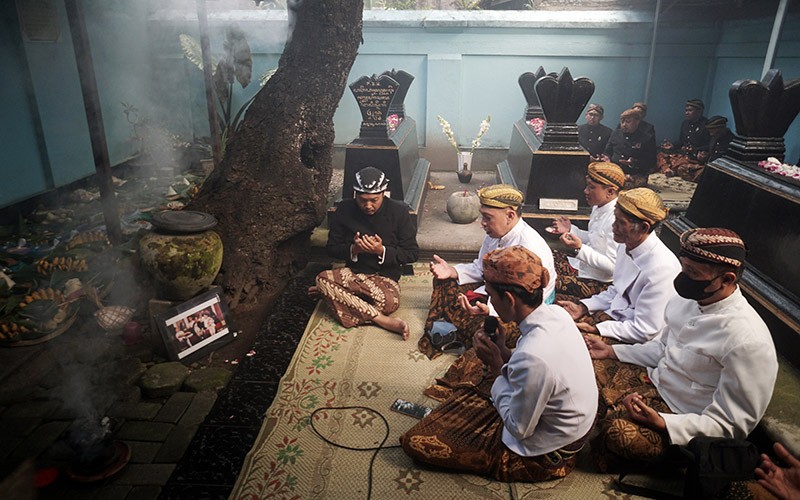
column 546, row 393
column 640, row 292
column 715, row 366
column 598, row 253
column 520, row 234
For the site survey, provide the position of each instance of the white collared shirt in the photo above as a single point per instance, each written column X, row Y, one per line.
column 598, row 252
column 520, row 234
column 715, row 366
column 640, row 292
column 546, row 394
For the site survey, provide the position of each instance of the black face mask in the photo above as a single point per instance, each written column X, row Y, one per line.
column 693, row 289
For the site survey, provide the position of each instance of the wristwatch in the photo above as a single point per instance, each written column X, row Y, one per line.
column 576, row 251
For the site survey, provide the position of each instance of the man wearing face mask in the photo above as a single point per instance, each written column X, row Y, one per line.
column 710, row 371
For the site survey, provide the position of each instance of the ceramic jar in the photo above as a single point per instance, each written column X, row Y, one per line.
column 463, row 207
column 182, row 253
column 464, row 169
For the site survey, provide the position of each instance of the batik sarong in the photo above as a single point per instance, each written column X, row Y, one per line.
column 620, row 443
column 568, row 282
column 444, row 306
column 356, row 298
column 465, row 434
column 678, row 164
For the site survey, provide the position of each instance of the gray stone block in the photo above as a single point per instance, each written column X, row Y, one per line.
column 175, row 407
column 112, row 492
column 198, row 409
column 143, row 452
column 142, row 410
column 39, row 440
column 144, row 493
column 32, row 409
column 144, row 431
column 207, row 379
column 17, row 427
column 130, row 394
column 145, row 474
column 129, row 369
column 163, row 379
column 175, row 445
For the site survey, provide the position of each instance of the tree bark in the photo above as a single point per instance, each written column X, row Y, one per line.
column 270, row 190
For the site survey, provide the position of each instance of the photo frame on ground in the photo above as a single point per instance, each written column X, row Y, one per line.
column 196, row 327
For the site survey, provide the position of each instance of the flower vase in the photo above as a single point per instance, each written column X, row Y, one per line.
column 464, row 167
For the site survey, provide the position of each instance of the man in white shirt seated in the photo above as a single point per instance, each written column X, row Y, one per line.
column 710, row 371
column 500, row 219
column 543, row 395
column 592, row 253
column 632, row 309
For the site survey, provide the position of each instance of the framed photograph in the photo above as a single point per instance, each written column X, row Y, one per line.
column 196, row 327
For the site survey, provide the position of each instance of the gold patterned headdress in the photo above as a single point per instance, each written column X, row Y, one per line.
column 607, row 173
column 501, row 196
column 644, row 204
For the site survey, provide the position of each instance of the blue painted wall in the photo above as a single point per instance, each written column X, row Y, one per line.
column 466, row 66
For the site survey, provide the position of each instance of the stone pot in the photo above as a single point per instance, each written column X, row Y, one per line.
column 463, row 207
column 182, row 253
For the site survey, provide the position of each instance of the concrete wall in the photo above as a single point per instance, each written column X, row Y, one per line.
column 466, row 66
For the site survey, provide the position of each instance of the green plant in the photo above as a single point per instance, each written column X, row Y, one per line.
column 235, row 65
column 401, row 4
column 467, row 4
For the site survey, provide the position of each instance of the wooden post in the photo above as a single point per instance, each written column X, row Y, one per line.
column 94, row 117
column 205, row 48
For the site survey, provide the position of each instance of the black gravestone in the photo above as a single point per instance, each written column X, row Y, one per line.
column 762, row 207
column 516, row 168
column 395, row 152
column 374, row 96
column 404, row 79
column 527, row 82
column 553, row 180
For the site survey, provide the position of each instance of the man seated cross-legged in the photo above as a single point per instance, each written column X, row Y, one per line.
column 631, row 310
column 588, row 267
column 504, row 227
column 375, row 236
column 531, row 413
column 709, row 372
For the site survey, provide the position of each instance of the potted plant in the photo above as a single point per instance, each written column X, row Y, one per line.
column 464, row 165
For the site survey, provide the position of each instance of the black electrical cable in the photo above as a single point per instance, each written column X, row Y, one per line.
column 376, row 449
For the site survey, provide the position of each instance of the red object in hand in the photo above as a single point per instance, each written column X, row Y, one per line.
column 472, row 297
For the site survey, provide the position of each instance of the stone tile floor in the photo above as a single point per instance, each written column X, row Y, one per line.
column 184, row 444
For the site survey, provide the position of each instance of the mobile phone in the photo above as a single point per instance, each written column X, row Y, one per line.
column 490, row 325
column 411, row 409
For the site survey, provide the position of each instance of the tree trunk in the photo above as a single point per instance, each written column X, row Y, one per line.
column 270, row 190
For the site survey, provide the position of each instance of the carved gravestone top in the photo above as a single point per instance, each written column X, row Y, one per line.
column 563, row 99
column 527, row 81
column 404, row 79
column 763, row 111
column 374, row 95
